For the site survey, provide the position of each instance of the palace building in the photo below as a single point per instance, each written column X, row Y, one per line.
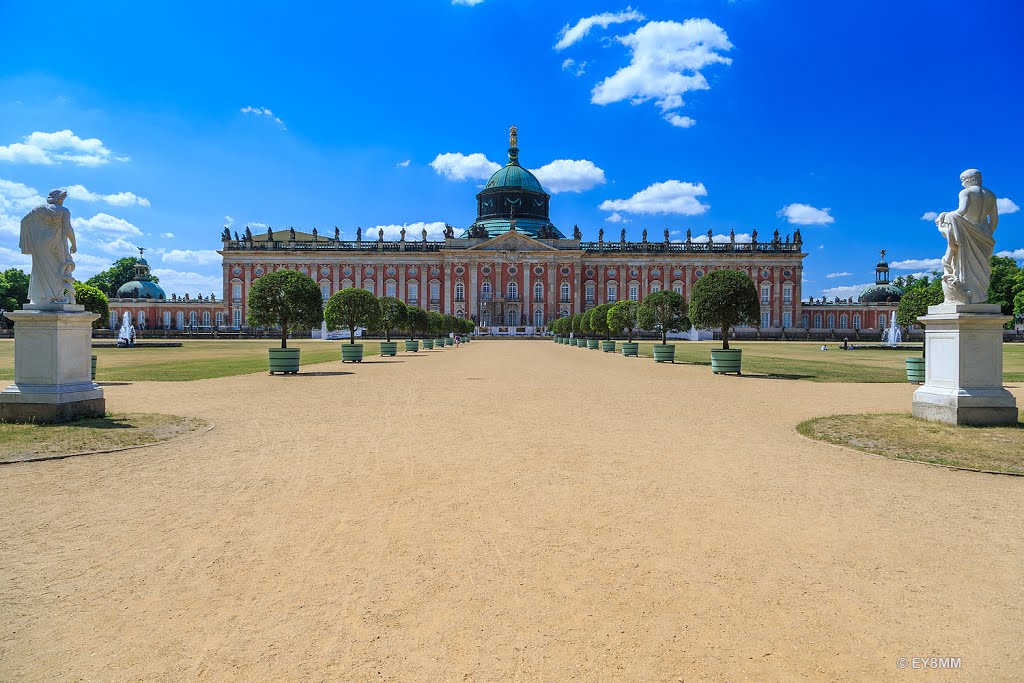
column 512, row 269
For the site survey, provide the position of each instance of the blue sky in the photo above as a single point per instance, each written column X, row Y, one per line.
column 848, row 120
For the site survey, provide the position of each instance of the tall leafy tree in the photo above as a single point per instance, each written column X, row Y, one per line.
column 352, row 308
column 436, row 323
column 623, row 316
column 1004, row 285
column 287, row 299
column 599, row 320
column 122, row 271
column 585, row 322
column 724, row 299
column 664, row 312
column 393, row 313
column 13, row 289
column 416, row 321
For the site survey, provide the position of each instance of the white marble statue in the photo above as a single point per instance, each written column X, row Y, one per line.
column 45, row 233
column 966, row 267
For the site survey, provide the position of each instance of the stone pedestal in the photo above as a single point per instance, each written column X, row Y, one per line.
column 964, row 367
column 52, row 350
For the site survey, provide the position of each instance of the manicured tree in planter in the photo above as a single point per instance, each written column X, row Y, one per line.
column 599, row 326
column 451, row 325
column 586, row 326
column 724, row 299
column 291, row 301
column 913, row 304
column 574, row 325
column 664, row 312
column 393, row 313
column 95, row 301
column 436, row 328
column 352, row 308
column 623, row 316
column 416, row 321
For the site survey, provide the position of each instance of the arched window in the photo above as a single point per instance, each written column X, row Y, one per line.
column 831, row 321
column 180, row 321
column 787, row 319
column 485, row 291
column 167, row 320
column 113, row 319
column 844, row 321
column 678, row 288
column 220, row 318
column 787, row 295
column 882, row 321
column 856, row 321
column 655, row 286
column 803, row 321
column 766, row 293
column 513, row 290
column 538, row 318
column 368, row 286
column 414, row 292
column 564, row 292
column 513, row 317
column 325, row 290
column 389, row 288
column 634, row 293
column 206, row 318
column 142, row 320
column 589, row 293
column 613, row 294
column 435, row 292
column 485, row 319
column 766, row 318
column 817, row 321
column 460, row 291
column 538, row 292
column 193, row 319
column 237, row 317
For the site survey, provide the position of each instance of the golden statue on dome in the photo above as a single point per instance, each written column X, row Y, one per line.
column 513, row 136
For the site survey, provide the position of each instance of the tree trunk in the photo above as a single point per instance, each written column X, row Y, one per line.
column 725, row 338
column 284, row 334
column 664, row 336
column 352, row 335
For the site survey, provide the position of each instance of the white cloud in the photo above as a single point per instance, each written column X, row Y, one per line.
column 844, row 274
column 665, row 64
column 929, row 216
column 228, row 221
column 567, row 62
column 743, row 237
column 1017, row 254
column 58, row 147
column 103, row 222
column 467, row 3
column 413, row 231
column 844, row 292
column 458, row 166
column 118, row 246
column 569, row 175
column 186, row 282
column 16, row 200
column 804, row 214
column 263, row 111
column 202, row 257
column 1006, row 205
column 167, row 235
column 13, row 258
column 117, row 199
column 617, row 218
column 403, row 164
column 669, row 197
column 917, row 264
column 571, row 35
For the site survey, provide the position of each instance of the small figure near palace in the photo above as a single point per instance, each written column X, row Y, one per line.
column 966, row 268
column 45, row 233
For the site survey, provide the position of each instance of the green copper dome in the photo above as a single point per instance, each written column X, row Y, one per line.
column 142, row 287
column 881, row 294
column 514, row 176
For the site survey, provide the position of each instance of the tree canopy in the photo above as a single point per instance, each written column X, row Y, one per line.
column 416, row 321
column 352, row 308
column 393, row 313
column 724, row 299
column 94, row 301
column 664, row 312
column 287, row 299
column 623, row 316
column 122, row 271
column 13, row 290
column 599, row 319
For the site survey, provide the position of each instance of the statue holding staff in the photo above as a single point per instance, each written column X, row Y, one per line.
column 45, row 233
column 966, row 266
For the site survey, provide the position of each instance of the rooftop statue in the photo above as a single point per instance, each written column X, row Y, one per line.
column 622, row 236
column 45, row 233
column 359, row 234
column 513, row 136
column 424, row 234
column 337, row 233
column 248, row 234
column 644, row 236
column 966, row 267
column 666, row 234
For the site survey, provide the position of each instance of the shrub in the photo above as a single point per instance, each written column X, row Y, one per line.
column 724, row 299
column 623, row 316
column 664, row 312
column 352, row 308
column 393, row 313
column 287, row 299
column 94, row 300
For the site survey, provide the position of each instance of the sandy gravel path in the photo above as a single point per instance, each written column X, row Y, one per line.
column 506, row 511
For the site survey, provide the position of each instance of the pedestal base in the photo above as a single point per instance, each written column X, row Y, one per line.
column 964, row 373
column 52, row 366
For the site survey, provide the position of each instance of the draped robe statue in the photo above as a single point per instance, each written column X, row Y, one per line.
column 45, row 233
column 966, row 267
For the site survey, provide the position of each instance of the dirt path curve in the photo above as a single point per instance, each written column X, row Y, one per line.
column 505, row 511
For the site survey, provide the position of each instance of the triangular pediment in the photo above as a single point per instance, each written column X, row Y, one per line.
column 511, row 241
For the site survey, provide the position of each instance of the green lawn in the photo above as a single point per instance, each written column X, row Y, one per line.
column 806, row 360
column 194, row 359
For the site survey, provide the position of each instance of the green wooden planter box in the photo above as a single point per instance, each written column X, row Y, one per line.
column 351, row 353
column 439, row 343
column 608, row 346
column 428, row 343
column 284, row 361
column 578, row 342
column 630, row 348
column 915, row 370
column 665, row 353
column 93, row 370
column 726, row 360
column 448, row 341
column 412, row 345
column 558, row 340
column 389, row 348
column 592, row 344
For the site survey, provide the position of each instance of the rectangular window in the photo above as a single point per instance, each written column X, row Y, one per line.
column 634, row 293
column 787, row 295
column 787, row 319
column 766, row 318
column 390, row 288
column 612, row 293
column 765, row 294
column 590, row 294
column 236, row 292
